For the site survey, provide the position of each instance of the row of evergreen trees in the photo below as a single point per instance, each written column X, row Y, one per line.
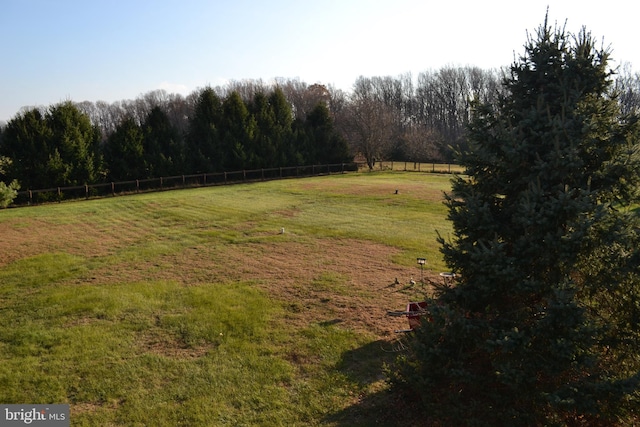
column 60, row 146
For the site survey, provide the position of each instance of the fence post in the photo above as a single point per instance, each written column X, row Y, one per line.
column 183, row 181
column 30, row 197
column 244, row 175
column 161, row 183
column 204, row 179
column 86, row 191
column 225, row 177
column 113, row 188
column 137, row 185
column 433, row 169
column 263, row 174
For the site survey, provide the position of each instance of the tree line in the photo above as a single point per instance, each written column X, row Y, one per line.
column 252, row 124
column 69, row 144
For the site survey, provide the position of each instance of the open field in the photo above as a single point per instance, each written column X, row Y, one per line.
column 192, row 307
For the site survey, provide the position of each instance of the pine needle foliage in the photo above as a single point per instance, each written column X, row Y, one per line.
column 540, row 328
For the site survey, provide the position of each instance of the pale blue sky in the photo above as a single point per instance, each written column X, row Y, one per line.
column 57, row 50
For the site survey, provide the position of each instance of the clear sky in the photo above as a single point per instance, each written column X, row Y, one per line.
column 90, row 50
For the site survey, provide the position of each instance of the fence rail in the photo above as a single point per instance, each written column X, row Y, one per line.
column 418, row 167
column 57, row 194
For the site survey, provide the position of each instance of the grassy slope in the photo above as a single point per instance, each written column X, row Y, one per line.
column 190, row 307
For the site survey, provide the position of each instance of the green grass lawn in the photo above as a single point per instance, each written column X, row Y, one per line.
column 192, row 308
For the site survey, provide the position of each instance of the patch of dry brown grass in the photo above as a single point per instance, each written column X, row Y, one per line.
column 363, row 272
column 28, row 237
column 378, row 188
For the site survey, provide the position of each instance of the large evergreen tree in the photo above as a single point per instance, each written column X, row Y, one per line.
column 237, row 131
column 281, row 131
column 204, row 152
column 124, row 152
column 74, row 141
column 54, row 148
column 540, row 328
column 265, row 151
column 273, row 119
column 326, row 145
column 163, row 147
column 25, row 142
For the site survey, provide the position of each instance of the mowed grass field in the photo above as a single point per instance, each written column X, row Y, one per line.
column 193, row 308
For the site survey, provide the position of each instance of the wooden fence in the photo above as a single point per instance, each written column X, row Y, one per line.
column 57, row 194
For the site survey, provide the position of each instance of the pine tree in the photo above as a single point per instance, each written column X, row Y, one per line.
column 326, row 145
column 204, row 151
column 162, row 145
column 540, row 326
column 124, row 152
column 26, row 142
column 54, row 148
column 237, row 131
column 273, row 120
column 74, row 141
column 282, row 127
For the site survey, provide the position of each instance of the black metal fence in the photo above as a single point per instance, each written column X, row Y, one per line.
column 57, row 194
column 30, row 197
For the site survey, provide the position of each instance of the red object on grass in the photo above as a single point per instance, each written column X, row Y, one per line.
column 415, row 310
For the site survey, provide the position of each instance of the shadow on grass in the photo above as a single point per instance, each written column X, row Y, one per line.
column 366, row 365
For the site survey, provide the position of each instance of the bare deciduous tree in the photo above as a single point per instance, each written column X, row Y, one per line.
column 627, row 85
column 420, row 144
column 368, row 125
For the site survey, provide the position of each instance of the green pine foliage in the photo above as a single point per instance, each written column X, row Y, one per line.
column 231, row 134
column 60, row 147
column 203, row 150
column 273, row 132
column 540, row 328
column 75, row 139
column 57, row 147
column 8, row 193
column 124, row 152
column 162, row 145
column 25, row 143
column 326, row 145
column 237, row 130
